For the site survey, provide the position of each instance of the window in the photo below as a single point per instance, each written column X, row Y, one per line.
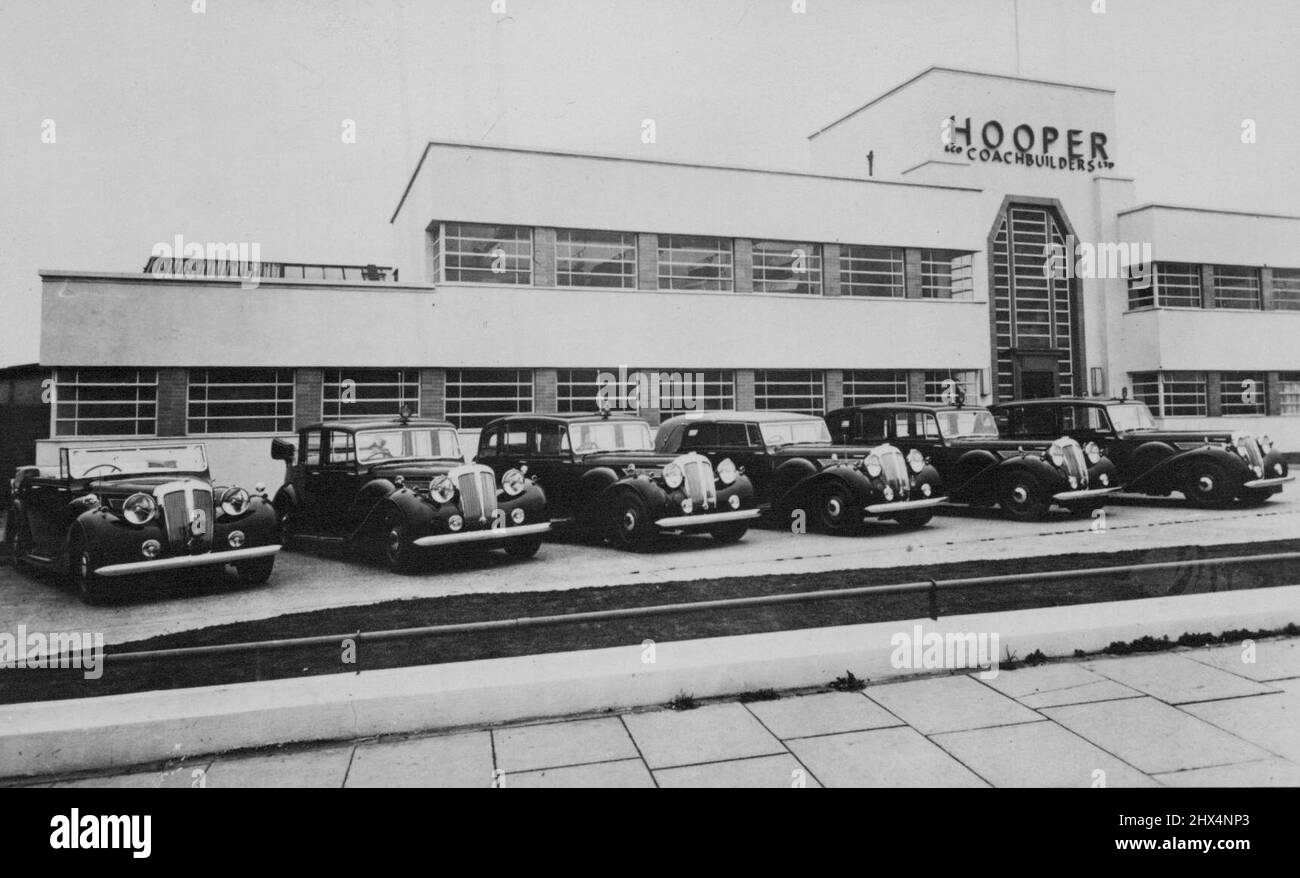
column 1178, row 285
column 1243, row 393
column 871, row 271
column 486, row 254
column 1146, row 388
column 1288, row 392
column 790, row 390
column 1171, row 394
column 353, row 394
column 862, row 386
column 575, row 390
column 1237, row 286
column 1286, row 289
column 677, row 390
column 784, row 267
column 1141, row 288
column 705, row 390
column 106, row 402
column 476, row 396
column 595, row 259
column 694, row 263
column 947, row 274
column 240, row 401
column 937, row 384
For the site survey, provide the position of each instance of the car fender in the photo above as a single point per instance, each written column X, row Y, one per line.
column 285, row 498
column 972, row 475
column 851, row 478
column 787, row 477
column 418, row 514
column 654, row 496
column 1170, row 469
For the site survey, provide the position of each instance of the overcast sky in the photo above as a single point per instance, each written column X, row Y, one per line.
column 225, row 124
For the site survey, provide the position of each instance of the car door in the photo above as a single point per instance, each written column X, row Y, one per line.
column 45, row 503
column 332, row 484
column 551, row 462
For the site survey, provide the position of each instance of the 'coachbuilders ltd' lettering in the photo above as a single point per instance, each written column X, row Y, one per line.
column 1025, row 145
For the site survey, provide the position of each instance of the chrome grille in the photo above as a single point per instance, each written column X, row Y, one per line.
column 176, row 518
column 1076, row 463
column 477, row 489
column 1249, row 451
column 180, row 501
column 893, row 466
column 698, row 480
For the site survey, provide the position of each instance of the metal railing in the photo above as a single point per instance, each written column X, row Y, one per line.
column 180, row 267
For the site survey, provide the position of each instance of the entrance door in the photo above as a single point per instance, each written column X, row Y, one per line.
column 1036, row 376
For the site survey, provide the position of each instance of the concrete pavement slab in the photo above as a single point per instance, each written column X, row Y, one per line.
column 897, row 757
column 763, row 772
column 949, row 704
column 1271, row 721
column 323, row 767
column 822, row 714
column 1273, row 659
column 461, row 760
column 180, row 777
column 622, row 774
column 1261, row 773
column 1152, row 736
column 706, row 734
column 1038, row 755
column 1175, row 678
column 551, row 745
column 1057, row 684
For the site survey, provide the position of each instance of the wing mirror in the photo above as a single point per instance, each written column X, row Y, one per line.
column 282, row 449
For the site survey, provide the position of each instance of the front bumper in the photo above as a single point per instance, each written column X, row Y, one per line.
column 904, row 506
column 498, row 534
column 1268, row 483
column 1068, row 496
column 208, row 559
column 704, row 519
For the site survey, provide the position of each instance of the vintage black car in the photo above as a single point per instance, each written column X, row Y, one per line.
column 602, row 475
column 1024, row 477
column 794, row 465
column 1207, row 467
column 112, row 511
column 399, row 487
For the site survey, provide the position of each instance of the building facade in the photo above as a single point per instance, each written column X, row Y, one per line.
column 962, row 230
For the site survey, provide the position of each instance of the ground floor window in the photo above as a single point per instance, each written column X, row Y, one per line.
column 355, row 394
column 106, row 402
column 1172, row 394
column 1243, row 393
column 667, row 390
column 1288, row 392
column 863, row 386
column 790, row 390
column 476, row 396
column 240, row 401
column 941, row 385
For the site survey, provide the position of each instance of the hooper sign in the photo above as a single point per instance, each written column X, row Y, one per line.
column 1026, row 145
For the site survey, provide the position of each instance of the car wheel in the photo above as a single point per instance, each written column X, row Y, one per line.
column 1206, row 484
column 399, row 554
column 81, row 570
column 729, row 533
column 836, row 511
column 523, row 548
column 630, row 526
column 286, row 518
column 917, row 518
column 1022, row 497
column 256, row 571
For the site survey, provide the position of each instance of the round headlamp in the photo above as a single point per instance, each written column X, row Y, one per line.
column 1266, row 443
column 513, row 482
column 872, row 466
column 916, row 460
column 673, row 476
column 726, row 471
column 234, row 501
column 140, row 508
column 441, row 489
column 1093, row 452
column 1056, row 455
column 455, row 523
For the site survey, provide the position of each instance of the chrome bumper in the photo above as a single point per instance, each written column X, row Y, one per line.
column 229, row 556
column 498, row 534
column 1268, row 483
column 707, row 518
column 1067, row 496
column 904, row 505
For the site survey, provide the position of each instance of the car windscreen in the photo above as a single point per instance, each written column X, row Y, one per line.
column 375, row 446
column 610, row 436
column 135, row 460
column 803, row 431
column 1131, row 416
column 968, row 424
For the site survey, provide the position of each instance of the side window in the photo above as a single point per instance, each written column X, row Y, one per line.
column 489, row 444
column 1006, row 420
column 1038, row 420
column 309, row 447
column 341, row 449
column 699, row 436
column 515, row 440
column 929, row 426
column 875, row 427
column 755, row 435
column 552, row 440
column 733, row 435
column 902, row 425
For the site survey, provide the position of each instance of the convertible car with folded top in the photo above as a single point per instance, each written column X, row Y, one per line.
column 1025, row 478
column 402, row 488
column 1209, row 467
column 794, row 465
column 111, row 511
column 601, row 474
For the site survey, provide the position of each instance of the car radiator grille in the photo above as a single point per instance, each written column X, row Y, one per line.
column 179, row 503
column 698, row 482
column 893, row 467
column 478, row 493
column 1253, row 456
column 1076, row 464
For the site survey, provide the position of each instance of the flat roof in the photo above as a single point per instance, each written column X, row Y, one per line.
column 1157, row 206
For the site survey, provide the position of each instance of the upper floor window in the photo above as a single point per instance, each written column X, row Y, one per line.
column 1286, row 289
column 240, row 401
column 1237, row 286
column 1178, row 284
column 947, row 274
column 1243, row 393
column 790, row 390
column 786, row 267
column 871, row 271
column 353, row 394
column 595, row 259
column 695, row 263
column 473, row 253
column 106, row 402
column 863, row 386
column 476, row 396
